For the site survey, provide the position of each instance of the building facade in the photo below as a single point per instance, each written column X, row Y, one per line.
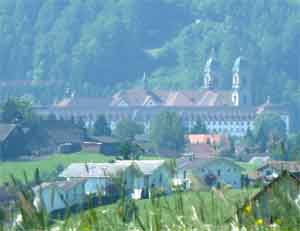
column 223, row 111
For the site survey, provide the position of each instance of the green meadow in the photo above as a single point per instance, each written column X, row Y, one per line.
column 50, row 164
column 46, row 166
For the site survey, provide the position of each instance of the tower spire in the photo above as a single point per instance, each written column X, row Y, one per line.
column 145, row 81
column 211, row 71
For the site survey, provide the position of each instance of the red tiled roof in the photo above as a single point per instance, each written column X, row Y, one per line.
column 204, row 98
column 201, row 151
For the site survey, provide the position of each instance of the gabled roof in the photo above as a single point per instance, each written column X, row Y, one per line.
column 178, row 99
column 135, row 97
column 200, row 163
column 201, row 150
column 6, row 130
column 147, row 167
column 107, row 170
column 65, row 186
column 200, row 98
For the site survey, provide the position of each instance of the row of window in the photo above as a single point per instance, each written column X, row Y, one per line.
column 231, row 130
column 241, row 123
column 219, row 170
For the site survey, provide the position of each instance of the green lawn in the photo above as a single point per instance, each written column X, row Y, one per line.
column 46, row 166
column 248, row 167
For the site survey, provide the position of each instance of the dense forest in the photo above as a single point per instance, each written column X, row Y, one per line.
column 95, row 46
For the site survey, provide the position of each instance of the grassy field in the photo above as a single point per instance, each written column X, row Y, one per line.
column 248, row 167
column 50, row 164
column 46, row 166
column 206, row 207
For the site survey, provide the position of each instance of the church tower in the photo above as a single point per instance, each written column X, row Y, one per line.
column 145, row 82
column 241, row 83
column 211, row 73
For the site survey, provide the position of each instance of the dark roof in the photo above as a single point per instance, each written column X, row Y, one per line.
column 6, row 130
column 63, row 131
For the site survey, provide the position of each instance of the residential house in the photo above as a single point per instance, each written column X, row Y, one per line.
column 213, row 172
column 12, row 141
column 270, row 204
column 201, row 151
column 63, row 133
column 98, row 176
column 91, row 147
column 272, row 169
column 109, row 145
column 59, row 195
column 138, row 176
column 214, row 139
column 214, row 144
column 145, row 175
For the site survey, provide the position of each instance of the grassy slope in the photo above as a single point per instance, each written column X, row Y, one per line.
column 211, row 207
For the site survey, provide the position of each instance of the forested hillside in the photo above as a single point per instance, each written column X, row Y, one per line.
column 93, row 45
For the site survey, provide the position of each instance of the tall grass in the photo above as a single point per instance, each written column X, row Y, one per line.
column 187, row 211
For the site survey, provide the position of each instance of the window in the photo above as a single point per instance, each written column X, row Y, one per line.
column 268, row 172
column 228, row 170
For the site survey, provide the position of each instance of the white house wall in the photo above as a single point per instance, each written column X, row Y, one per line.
column 95, row 185
column 52, row 200
column 161, row 178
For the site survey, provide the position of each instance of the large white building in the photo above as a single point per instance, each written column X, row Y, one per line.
column 223, row 111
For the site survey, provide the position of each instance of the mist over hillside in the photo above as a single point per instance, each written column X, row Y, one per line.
column 95, row 46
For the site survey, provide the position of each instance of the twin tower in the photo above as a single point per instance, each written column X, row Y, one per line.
column 241, row 80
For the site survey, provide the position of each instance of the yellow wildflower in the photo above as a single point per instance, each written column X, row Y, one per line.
column 248, row 209
column 259, row 221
